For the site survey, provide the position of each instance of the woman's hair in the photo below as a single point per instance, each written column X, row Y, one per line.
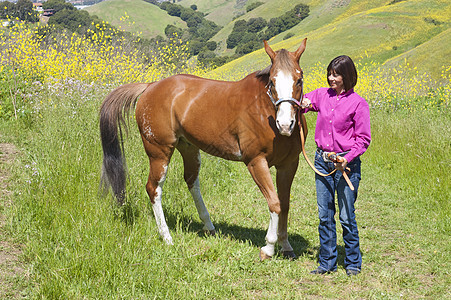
column 344, row 66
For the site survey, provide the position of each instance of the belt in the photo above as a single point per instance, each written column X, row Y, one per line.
column 325, row 154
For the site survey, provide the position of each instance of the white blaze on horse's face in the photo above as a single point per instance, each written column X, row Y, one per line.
column 286, row 114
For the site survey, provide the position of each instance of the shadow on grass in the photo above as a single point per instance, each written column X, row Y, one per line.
column 130, row 212
column 254, row 236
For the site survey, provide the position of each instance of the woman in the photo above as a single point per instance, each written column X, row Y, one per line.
column 342, row 126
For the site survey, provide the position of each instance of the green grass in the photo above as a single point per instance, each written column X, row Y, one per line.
column 144, row 17
column 79, row 245
column 221, row 12
column 420, row 56
column 384, row 33
column 364, row 29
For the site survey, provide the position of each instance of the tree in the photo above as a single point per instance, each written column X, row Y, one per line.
column 240, row 25
column 57, row 5
column 248, row 47
column 234, row 39
column 193, row 21
column 211, row 45
column 206, row 30
column 174, row 10
column 25, row 12
column 186, row 14
column 73, row 20
column 171, row 31
column 206, row 56
column 302, row 11
column 7, row 10
column 195, row 46
column 194, row 7
column 256, row 24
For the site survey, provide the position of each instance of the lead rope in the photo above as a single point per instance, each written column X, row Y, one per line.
column 304, row 130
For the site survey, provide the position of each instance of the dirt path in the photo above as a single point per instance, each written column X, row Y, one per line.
column 11, row 270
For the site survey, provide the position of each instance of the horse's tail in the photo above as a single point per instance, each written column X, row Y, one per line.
column 113, row 111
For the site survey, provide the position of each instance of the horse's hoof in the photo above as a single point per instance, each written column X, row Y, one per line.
column 263, row 256
column 168, row 241
column 210, row 232
column 289, row 255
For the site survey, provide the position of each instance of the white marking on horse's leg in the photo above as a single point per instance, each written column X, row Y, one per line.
column 159, row 217
column 200, row 205
column 271, row 235
column 158, row 211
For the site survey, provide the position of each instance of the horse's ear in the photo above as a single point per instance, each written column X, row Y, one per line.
column 268, row 50
column 300, row 50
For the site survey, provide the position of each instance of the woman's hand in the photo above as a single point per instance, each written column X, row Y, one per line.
column 341, row 164
column 306, row 103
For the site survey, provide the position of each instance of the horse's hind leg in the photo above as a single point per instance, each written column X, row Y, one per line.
column 159, row 157
column 191, row 162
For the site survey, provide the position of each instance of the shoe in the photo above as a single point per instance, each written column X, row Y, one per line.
column 351, row 272
column 320, row 271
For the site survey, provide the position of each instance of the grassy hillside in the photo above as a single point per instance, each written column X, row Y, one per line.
column 427, row 54
column 379, row 34
column 221, row 12
column 143, row 17
column 415, row 30
column 268, row 10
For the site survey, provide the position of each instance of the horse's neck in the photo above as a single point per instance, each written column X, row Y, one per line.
column 258, row 84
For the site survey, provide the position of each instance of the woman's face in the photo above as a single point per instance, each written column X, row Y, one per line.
column 336, row 82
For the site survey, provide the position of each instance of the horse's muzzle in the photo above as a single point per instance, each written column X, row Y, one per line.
column 285, row 129
column 286, row 118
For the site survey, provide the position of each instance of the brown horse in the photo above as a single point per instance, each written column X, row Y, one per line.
column 238, row 121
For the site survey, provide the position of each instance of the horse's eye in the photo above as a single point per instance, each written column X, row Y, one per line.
column 299, row 82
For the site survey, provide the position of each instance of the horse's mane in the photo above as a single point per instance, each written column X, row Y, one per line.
column 264, row 72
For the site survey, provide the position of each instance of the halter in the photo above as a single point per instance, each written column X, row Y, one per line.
column 292, row 100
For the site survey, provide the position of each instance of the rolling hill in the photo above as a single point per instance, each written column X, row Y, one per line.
column 383, row 31
column 221, row 12
column 367, row 30
column 143, row 17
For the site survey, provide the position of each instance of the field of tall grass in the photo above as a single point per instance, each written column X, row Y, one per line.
column 77, row 244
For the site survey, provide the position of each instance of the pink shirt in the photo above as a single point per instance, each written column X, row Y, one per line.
column 343, row 122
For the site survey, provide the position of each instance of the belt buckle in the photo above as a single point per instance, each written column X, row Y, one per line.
column 325, row 156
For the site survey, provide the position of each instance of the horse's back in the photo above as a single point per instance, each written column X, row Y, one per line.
column 185, row 105
column 226, row 119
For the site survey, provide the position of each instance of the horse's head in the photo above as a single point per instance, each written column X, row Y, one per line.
column 285, row 86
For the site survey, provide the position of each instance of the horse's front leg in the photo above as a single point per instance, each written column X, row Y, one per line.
column 259, row 170
column 284, row 179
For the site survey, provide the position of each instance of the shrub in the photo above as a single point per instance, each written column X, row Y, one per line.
column 172, row 31
column 22, row 10
column 288, row 35
column 256, row 24
column 211, row 45
column 240, row 39
column 432, row 21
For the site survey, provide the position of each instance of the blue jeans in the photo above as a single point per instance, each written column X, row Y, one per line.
column 325, row 194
